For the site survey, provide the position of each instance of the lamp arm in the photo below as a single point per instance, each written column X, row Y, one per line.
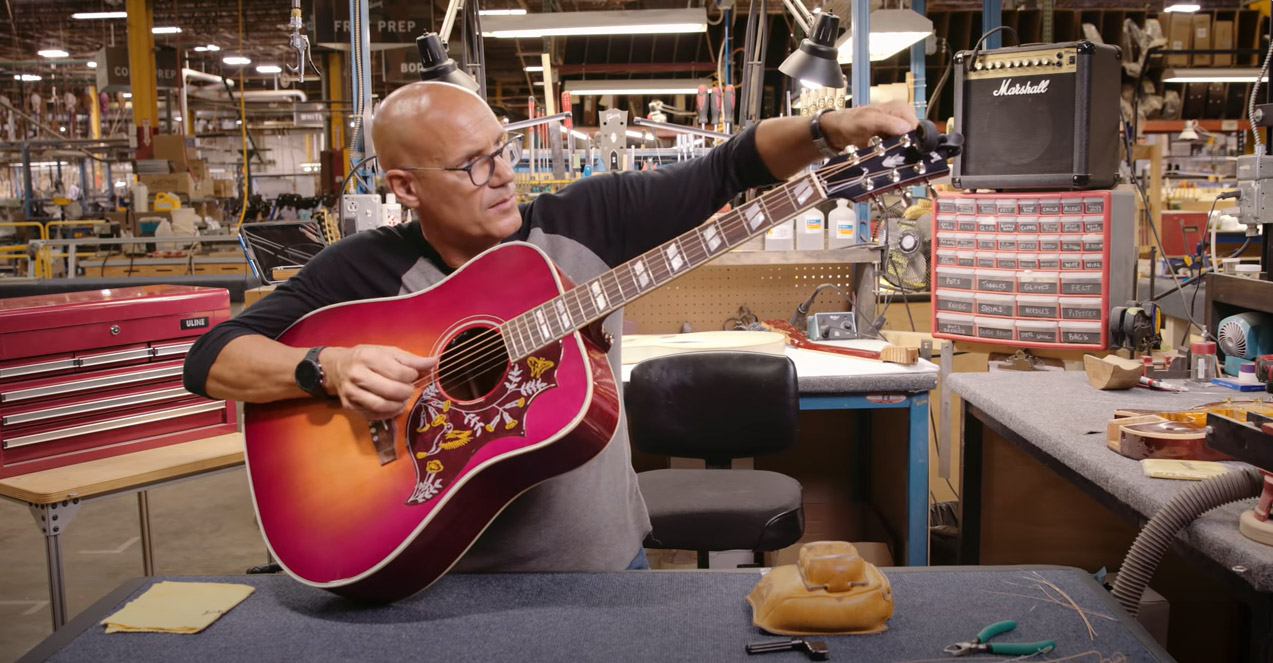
column 802, row 16
column 453, row 8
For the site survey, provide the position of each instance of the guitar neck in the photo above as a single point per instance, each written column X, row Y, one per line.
column 593, row 300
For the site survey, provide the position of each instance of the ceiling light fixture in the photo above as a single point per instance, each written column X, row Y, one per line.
column 1212, row 75
column 90, row 16
column 92, row 64
column 534, row 68
column 435, row 65
column 1182, row 8
column 619, row 22
column 637, row 87
column 53, row 53
column 892, row 30
column 501, row 12
column 814, row 63
column 166, row 30
column 27, row 78
column 269, row 69
column 236, row 60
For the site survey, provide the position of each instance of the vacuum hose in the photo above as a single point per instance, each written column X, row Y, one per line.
column 1152, row 542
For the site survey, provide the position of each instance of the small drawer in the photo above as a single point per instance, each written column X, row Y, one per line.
column 1027, row 261
column 1050, row 261
column 986, row 206
column 1080, row 283
column 1028, row 224
column 946, row 256
column 955, row 277
column 1006, row 242
column 965, row 206
column 984, row 259
column 1049, row 243
column 995, row 280
column 956, row 323
column 1037, row 331
column 1071, row 205
column 1028, row 206
column 1094, row 224
column 947, row 222
column 1071, row 262
column 1080, row 308
column 987, row 224
column 1002, row 305
column 1006, row 206
column 1006, row 260
column 1037, row 306
column 1081, row 333
column 1007, row 224
column 945, row 204
column 1094, row 205
column 955, row 301
column 1039, row 283
column 1049, row 224
column 1093, row 262
column 995, row 328
column 945, row 240
column 1071, row 224
column 1093, row 243
column 987, row 242
column 965, row 240
column 966, row 223
column 1071, row 244
column 1049, row 206
column 1028, row 243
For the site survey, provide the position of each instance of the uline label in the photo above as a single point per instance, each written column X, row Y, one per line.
column 194, row 323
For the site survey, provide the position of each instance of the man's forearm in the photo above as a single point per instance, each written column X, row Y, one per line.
column 255, row 369
column 786, row 145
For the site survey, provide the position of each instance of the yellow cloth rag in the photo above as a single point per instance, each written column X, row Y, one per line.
column 177, row 607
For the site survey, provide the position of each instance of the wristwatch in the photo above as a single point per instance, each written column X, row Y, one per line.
column 309, row 374
column 820, row 138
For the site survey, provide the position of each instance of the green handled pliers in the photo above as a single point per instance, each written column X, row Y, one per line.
column 979, row 644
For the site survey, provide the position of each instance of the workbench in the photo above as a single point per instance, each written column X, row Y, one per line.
column 1060, row 420
column 619, row 616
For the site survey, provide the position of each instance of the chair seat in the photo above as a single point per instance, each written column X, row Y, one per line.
column 722, row 509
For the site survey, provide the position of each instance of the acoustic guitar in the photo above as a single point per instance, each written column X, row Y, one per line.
column 377, row 511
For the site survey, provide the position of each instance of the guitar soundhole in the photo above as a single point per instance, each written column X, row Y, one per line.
column 472, row 364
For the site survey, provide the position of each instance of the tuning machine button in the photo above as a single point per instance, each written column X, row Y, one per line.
column 920, row 168
column 868, row 184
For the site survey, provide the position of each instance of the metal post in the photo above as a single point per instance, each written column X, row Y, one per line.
column 918, row 65
column 53, row 519
column 28, row 189
column 991, row 18
column 946, row 369
column 861, row 89
column 147, row 550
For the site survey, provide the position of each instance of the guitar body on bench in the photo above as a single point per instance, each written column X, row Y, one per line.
column 522, row 392
column 335, row 517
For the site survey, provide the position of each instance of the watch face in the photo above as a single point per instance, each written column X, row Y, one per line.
column 307, row 375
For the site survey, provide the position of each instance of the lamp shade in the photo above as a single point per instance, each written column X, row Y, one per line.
column 815, row 61
column 436, row 65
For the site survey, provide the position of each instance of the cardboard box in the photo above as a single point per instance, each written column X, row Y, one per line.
column 181, row 183
column 224, row 188
column 252, row 295
column 198, row 169
column 1201, row 39
column 179, row 149
column 1222, row 38
column 1178, row 29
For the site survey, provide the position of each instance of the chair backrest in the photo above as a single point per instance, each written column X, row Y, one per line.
column 713, row 405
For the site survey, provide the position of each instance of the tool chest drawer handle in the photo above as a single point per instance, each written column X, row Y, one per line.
column 89, row 383
column 93, row 406
column 42, row 367
column 166, row 350
column 112, row 424
column 113, row 357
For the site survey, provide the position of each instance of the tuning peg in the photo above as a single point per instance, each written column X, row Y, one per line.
column 896, row 176
column 868, row 184
column 920, row 168
column 875, row 141
column 904, row 140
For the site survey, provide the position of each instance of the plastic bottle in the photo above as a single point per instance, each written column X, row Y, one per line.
column 779, row 237
column 391, row 210
column 842, row 225
column 141, row 198
column 1204, row 361
column 810, row 230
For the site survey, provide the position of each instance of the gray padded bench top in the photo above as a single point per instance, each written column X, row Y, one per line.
column 1062, row 415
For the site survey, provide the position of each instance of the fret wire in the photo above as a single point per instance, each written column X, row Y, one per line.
column 578, row 316
column 620, row 298
column 632, row 274
column 618, row 283
column 721, row 233
column 519, row 325
column 508, row 329
column 702, row 243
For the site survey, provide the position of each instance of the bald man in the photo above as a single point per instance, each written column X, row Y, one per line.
column 445, row 155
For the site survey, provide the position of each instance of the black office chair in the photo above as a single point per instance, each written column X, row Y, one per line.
column 717, row 406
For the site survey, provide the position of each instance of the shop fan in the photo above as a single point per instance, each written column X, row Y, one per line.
column 1243, row 337
column 909, row 237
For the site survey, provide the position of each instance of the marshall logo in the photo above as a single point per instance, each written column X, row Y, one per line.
column 1006, row 89
column 193, row 323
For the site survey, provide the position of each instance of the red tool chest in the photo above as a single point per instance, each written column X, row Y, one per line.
column 86, row 375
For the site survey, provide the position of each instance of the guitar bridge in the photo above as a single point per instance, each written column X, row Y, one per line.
column 383, row 434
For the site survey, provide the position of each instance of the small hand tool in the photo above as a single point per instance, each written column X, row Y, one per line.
column 979, row 644
column 815, row 650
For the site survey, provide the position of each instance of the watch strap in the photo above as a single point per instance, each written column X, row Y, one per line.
column 311, row 357
column 820, row 137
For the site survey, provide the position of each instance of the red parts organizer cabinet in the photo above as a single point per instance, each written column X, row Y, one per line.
column 1035, row 270
column 86, row 375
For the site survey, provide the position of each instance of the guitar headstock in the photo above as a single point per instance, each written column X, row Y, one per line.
column 891, row 163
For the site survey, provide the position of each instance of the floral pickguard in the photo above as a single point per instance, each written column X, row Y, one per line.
column 442, row 435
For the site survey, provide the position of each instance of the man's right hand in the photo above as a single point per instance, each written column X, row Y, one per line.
column 374, row 380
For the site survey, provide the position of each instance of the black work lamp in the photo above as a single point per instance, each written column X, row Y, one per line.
column 814, row 63
column 435, row 65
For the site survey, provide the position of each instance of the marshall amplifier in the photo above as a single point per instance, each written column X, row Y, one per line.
column 1044, row 116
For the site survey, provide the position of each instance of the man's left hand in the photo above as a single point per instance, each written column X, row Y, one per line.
column 855, row 126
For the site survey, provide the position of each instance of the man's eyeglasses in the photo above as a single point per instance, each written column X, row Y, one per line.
column 482, row 168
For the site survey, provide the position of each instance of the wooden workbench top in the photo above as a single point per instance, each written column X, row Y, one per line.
column 107, row 475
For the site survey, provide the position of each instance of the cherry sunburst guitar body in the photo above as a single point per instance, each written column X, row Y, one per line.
column 522, row 392
column 335, row 517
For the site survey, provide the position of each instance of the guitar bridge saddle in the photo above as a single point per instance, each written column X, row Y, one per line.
column 383, row 433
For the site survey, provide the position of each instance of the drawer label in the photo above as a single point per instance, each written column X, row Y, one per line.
column 194, row 323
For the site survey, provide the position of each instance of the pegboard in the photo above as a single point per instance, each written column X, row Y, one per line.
column 708, row 296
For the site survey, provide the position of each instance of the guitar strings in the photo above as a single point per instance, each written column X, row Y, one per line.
column 488, row 349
